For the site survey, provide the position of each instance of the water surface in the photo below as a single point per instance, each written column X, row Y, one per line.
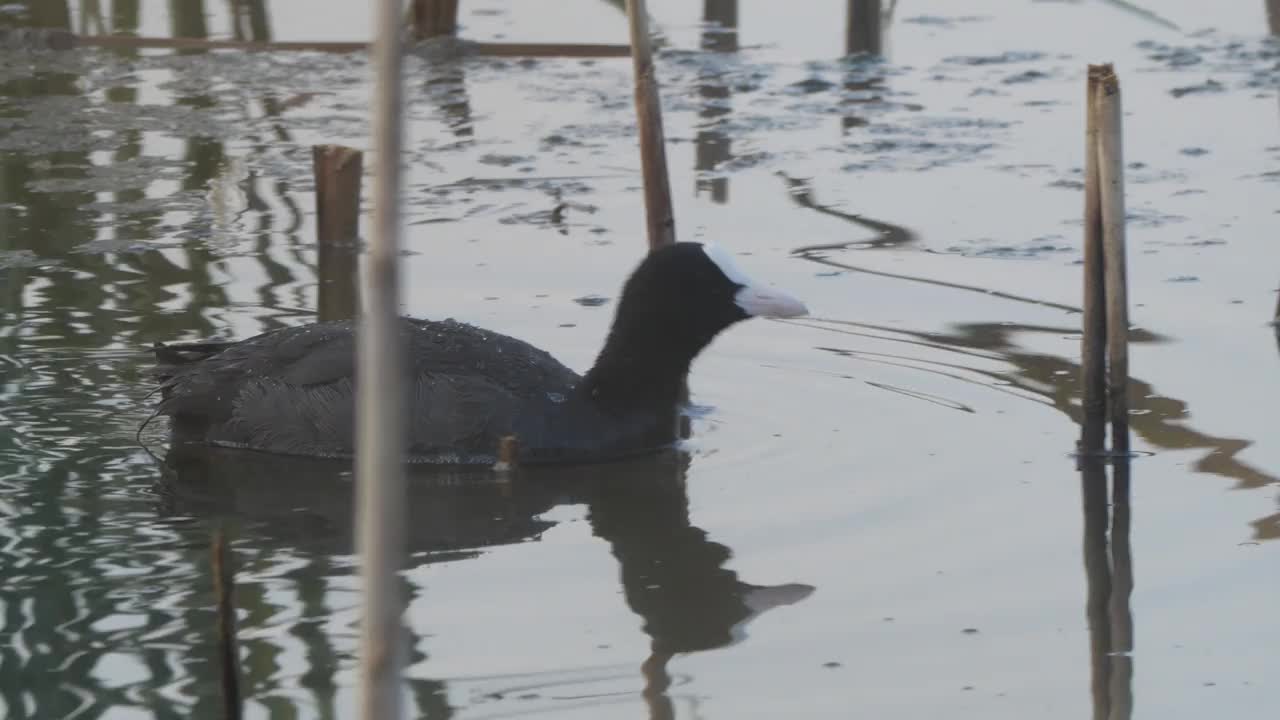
column 877, row 513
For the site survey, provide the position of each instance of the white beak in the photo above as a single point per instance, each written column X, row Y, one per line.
column 763, row 302
column 754, row 299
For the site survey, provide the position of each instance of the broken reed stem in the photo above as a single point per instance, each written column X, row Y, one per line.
column 659, row 215
column 1111, row 185
column 1094, row 336
column 228, row 655
column 1273, row 20
column 338, row 171
column 433, row 18
column 862, row 32
column 380, row 400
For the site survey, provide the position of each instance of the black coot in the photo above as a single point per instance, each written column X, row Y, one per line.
column 291, row 391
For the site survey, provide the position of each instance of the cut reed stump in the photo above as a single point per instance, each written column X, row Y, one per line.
column 1111, row 186
column 1105, row 344
column 1094, row 338
column 659, row 215
column 338, row 172
column 862, row 31
column 228, row 654
column 380, row 401
column 434, row 18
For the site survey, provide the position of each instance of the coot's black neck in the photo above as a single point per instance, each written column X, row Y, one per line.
column 642, row 368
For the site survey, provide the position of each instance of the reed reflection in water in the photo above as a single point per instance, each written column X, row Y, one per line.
column 1108, row 563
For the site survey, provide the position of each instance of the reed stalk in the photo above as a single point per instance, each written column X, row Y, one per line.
column 1094, row 318
column 1111, row 186
column 380, row 397
column 338, row 172
column 228, row 654
column 659, row 214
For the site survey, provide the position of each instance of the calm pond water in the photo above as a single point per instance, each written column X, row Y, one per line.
column 877, row 514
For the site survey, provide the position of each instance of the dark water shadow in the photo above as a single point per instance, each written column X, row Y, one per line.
column 887, row 235
column 1159, row 420
column 673, row 576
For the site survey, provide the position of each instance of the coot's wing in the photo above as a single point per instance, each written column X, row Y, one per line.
column 451, row 417
column 292, row 390
column 202, row 382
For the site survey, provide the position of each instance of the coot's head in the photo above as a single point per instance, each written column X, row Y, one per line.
column 675, row 302
column 691, row 291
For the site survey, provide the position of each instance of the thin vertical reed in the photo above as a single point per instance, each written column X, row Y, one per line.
column 1111, row 185
column 381, row 407
column 228, row 656
column 660, row 217
column 1094, row 336
column 1273, row 16
column 338, row 171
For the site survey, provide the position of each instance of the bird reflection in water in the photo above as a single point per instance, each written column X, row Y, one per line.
column 673, row 576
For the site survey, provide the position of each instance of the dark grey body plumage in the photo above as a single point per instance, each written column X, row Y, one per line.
column 291, row 391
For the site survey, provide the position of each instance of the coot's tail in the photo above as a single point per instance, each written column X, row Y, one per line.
column 173, row 358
